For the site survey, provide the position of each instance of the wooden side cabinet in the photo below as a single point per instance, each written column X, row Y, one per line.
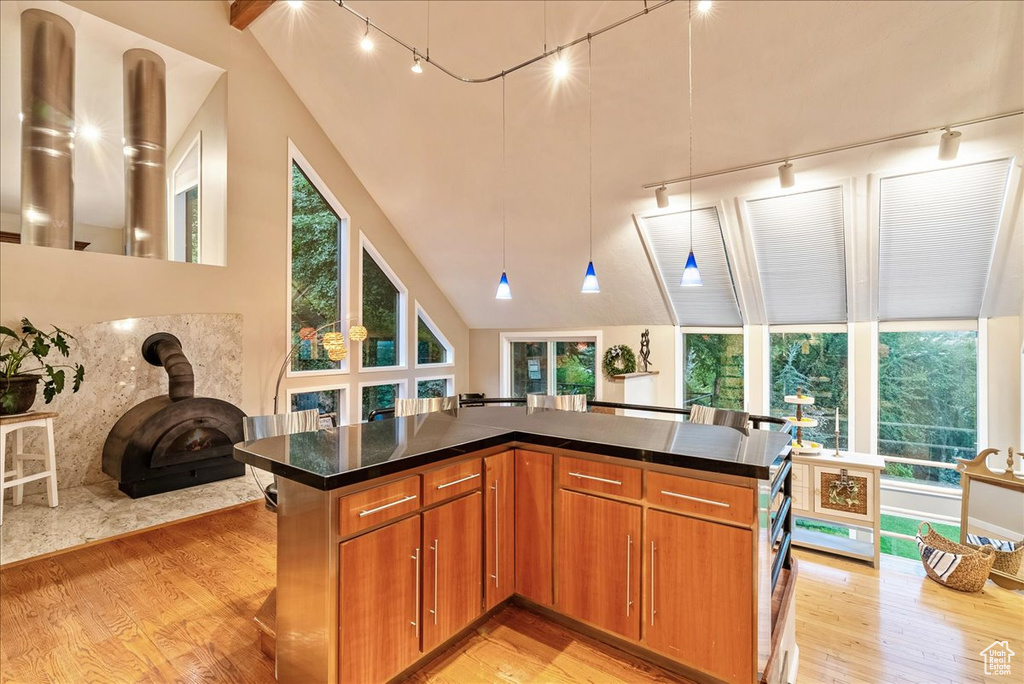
column 698, row 594
column 379, row 595
column 451, row 568
column 533, row 496
column 499, row 528
column 599, row 562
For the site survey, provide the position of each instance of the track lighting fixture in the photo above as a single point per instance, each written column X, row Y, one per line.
column 295, row 4
column 691, row 274
column 787, row 177
column 367, row 42
column 661, row 195
column 704, row 6
column 417, row 68
column 949, row 144
column 590, row 284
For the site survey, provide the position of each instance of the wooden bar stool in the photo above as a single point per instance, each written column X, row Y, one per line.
column 16, row 424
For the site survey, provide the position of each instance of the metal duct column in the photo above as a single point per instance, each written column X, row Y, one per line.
column 145, row 154
column 47, row 130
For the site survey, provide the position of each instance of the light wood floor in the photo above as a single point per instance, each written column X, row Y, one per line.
column 175, row 605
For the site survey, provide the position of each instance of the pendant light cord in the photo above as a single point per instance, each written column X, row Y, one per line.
column 590, row 138
column 504, row 182
column 689, row 82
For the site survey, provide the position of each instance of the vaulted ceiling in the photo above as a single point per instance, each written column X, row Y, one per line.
column 770, row 79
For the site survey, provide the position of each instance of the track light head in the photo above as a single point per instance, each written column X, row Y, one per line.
column 704, row 6
column 367, row 42
column 949, row 144
column 417, row 68
column 661, row 194
column 560, row 68
column 787, row 177
column 295, row 4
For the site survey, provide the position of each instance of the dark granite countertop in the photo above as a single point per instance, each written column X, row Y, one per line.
column 348, row 455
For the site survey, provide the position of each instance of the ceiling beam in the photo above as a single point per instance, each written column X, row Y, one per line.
column 244, row 12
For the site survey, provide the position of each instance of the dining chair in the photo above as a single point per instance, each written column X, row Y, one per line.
column 558, row 402
column 275, row 425
column 413, row 407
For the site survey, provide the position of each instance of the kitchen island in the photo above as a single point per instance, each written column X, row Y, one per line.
column 667, row 539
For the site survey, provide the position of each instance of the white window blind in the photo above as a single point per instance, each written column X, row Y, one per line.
column 667, row 240
column 800, row 245
column 937, row 231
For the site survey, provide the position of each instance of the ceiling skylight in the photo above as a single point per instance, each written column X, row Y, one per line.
column 936, row 233
column 666, row 238
column 800, row 245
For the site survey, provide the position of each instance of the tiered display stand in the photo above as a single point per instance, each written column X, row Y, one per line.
column 800, row 422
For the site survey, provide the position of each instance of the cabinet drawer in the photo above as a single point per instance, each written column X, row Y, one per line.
column 380, row 504
column 444, row 483
column 713, row 499
column 801, row 475
column 596, row 476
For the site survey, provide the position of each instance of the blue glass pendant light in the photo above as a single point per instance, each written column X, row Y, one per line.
column 691, row 275
column 590, row 284
column 590, row 280
column 504, row 291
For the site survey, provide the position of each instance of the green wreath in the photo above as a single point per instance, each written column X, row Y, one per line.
column 619, row 360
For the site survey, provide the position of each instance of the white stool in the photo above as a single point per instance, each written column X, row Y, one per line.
column 16, row 424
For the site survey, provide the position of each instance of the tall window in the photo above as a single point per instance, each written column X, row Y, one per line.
column 927, row 401
column 553, row 367
column 817, row 363
column 185, row 205
column 378, row 397
column 329, row 403
column 714, row 370
column 317, row 265
column 382, row 314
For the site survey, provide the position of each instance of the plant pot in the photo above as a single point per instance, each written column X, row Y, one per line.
column 17, row 394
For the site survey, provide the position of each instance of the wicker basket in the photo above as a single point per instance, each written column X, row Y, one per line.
column 1007, row 562
column 972, row 571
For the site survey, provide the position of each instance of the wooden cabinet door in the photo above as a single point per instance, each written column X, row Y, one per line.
column 534, row 500
column 499, row 528
column 598, row 548
column 379, row 632
column 452, row 567
column 698, row 594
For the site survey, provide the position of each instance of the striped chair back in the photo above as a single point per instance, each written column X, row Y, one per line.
column 413, row 407
column 261, row 427
column 733, row 419
column 702, row 415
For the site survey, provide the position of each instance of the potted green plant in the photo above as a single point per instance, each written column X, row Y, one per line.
column 19, row 376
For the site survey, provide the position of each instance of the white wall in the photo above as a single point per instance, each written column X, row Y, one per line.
column 263, row 112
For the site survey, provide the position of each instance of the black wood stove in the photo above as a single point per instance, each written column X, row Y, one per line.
column 176, row 440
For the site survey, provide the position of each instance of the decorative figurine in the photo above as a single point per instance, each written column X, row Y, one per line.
column 645, row 348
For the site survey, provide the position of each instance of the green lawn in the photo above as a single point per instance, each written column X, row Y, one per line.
column 890, row 523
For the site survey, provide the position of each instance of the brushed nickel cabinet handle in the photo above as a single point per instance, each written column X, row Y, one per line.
column 695, row 498
column 459, row 481
column 434, row 549
column 378, row 509
column 496, row 527
column 416, row 600
column 596, row 479
column 652, row 584
column 629, row 557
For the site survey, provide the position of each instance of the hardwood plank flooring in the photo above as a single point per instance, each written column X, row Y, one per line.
column 175, row 604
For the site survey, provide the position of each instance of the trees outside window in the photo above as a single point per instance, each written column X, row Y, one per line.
column 378, row 397
column 430, row 349
column 382, row 307
column 575, row 368
column 927, row 401
column 817, row 362
column 433, row 388
column 714, row 370
column 529, row 368
column 317, row 273
column 553, row 367
column 328, row 402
